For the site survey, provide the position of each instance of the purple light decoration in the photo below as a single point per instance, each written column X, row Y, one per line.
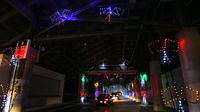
column 67, row 15
column 102, row 66
column 109, row 10
column 96, row 92
column 92, row 4
column 115, row 11
column 61, row 17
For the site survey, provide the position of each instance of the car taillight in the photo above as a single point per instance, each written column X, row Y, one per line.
column 106, row 99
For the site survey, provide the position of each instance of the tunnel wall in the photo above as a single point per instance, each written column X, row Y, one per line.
column 173, row 87
column 46, row 87
column 5, row 70
column 5, row 73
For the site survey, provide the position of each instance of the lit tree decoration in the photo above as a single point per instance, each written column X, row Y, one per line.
column 165, row 59
column 163, row 48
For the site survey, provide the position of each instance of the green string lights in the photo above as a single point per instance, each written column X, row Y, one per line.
column 143, row 76
column 83, row 78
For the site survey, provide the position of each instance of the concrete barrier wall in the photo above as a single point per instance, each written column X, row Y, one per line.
column 46, row 87
column 5, row 69
column 5, row 76
column 173, row 87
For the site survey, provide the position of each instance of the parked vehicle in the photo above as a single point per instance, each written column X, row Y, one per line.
column 115, row 95
column 103, row 99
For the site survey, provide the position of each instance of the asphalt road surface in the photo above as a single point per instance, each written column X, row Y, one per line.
column 122, row 105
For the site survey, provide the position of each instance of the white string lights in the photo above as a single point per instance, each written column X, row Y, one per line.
column 3, row 95
column 179, row 97
column 162, row 47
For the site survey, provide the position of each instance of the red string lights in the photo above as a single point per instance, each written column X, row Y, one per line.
column 157, row 46
column 163, row 46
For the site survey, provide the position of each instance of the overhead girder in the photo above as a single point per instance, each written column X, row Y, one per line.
column 24, row 9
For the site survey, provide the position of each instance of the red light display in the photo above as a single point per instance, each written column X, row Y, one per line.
column 182, row 44
column 20, row 52
column 25, row 51
column 143, row 93
column 82, row 93
column 106, row 110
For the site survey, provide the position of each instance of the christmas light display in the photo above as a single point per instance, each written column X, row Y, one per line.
column 82, row 99
column 6, row 93
column 178, row 94
column 83, row 80
column 13, row 59
column 96, row 85
column 182, row 44
column 82, row 93
column 180, row 106
column 162, row 47
column 165, row 58
column 115, row 11
column 60, row 17
column 67, row 15
column 111, row 11
column 7, row 50
column 123, row 66
column 102, row 66
column 3, row 95
column 180, row 97
column 143, row 79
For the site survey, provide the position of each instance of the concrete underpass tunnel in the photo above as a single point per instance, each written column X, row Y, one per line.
column 128, row 83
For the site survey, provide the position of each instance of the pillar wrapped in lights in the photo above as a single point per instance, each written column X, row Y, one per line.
column 189, row 53
column 19, row 85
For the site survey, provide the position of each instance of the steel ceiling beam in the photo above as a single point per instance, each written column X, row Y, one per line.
column 75, row 36
column 104, row 33
column 24, row 9
column 8, row 15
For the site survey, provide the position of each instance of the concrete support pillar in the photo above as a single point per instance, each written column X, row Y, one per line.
column 156, row 85
column 189, row 53
column 21, row 85
column 79, row 88
column 137, row 91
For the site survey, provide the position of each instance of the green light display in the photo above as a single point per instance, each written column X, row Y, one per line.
column 83, row 78
column 143, row 76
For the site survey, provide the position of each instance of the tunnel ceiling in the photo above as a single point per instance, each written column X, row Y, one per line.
column 75, row 46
